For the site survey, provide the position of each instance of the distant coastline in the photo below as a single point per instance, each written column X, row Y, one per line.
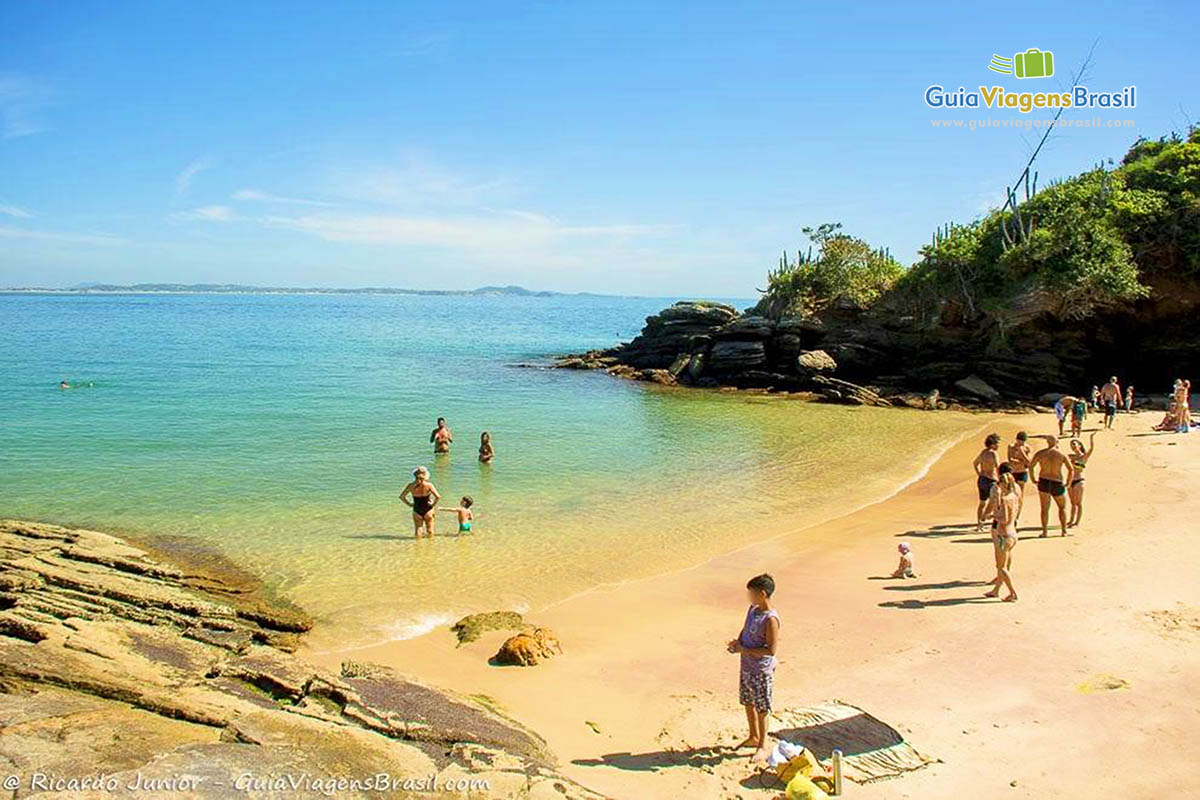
column 233, row 288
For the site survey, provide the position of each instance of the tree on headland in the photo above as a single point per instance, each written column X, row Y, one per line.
column 844, row 268
column 1070, row 250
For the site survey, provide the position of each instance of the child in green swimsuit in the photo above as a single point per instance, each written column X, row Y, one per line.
column 465, row 517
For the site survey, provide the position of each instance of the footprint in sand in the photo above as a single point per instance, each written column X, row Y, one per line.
column 1180, row 621
column 1102, row 683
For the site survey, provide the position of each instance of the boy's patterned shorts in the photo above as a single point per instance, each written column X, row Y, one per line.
column 755, row 690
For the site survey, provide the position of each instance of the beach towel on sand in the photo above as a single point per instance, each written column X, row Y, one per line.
column 871, row 749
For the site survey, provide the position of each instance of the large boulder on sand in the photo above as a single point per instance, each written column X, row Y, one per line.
column 528, row 647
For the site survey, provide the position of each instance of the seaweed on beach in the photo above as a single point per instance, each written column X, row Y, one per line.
column 470, row 628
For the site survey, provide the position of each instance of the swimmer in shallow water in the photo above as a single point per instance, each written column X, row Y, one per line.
column 486, row 451
column 441, row 437
column 424, row 499
column 464, row 514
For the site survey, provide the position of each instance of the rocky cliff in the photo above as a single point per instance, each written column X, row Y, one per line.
column 885, row 355
column 121, row 674
column 710, row 344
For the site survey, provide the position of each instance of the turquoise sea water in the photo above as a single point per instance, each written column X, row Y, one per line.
column 280, row 428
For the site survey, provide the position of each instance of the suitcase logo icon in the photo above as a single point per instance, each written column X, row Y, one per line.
column 1033, row 63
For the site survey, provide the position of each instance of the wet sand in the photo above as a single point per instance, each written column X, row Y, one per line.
column 1084, row 687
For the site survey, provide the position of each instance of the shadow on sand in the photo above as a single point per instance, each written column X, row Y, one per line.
column 935, row 531
column 696, row 757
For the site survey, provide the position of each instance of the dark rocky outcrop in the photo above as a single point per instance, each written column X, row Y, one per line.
column 886, row 355
column 710, row 344
column 115, row 663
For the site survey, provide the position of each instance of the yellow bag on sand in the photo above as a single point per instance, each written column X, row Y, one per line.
column 802, row 788
column 803, row 764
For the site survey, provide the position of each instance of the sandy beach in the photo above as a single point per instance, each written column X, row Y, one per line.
column 1084, row 687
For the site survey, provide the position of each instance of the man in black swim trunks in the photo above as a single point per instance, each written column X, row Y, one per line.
column 1050, row 464
column 1110, row 398
column 987, row 465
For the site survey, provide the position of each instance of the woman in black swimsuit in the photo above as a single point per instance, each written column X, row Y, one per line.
column 424, row 499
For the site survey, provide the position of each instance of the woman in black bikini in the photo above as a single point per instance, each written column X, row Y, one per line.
column 1079, row 459
column 424, row 499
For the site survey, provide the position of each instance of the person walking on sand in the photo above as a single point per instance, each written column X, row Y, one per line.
column 1019, row 454
column 1050, row 464
column 1129, row 397
column 441, row 437
column 1079, row 459
column 486, row 451
column 1061, row 409
column 1078, row 415
column 424, row 499
column 1004, row 506
column 1110, row 398
column 986, row 464
column 757, row 644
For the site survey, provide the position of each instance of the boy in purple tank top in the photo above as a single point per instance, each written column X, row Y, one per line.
column 756, row 644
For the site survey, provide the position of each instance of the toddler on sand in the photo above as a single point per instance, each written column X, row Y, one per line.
column 905, row 570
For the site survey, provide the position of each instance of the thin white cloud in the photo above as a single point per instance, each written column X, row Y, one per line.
column 7, row 232
column 22, row 100
column 510, row 234
column 15, row 211
column 210, row 213
column 417, row 183
column 183, row 181
column 256, row 195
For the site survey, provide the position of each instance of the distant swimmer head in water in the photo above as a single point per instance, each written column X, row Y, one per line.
column 64, row 385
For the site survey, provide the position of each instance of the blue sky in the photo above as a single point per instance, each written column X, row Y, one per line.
column 658, row 149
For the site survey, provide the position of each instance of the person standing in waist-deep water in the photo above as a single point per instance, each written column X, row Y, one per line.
column 486, row 451
column 424, row 499
column 1050, row 464
column 1110, row 398
column 986, row 464
column 441, row 437
column 757, row 644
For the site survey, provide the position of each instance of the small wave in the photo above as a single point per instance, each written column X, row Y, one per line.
column 416, row 625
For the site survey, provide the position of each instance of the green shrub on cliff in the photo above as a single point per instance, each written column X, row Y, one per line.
column 1077, row 246
column 844, row 268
